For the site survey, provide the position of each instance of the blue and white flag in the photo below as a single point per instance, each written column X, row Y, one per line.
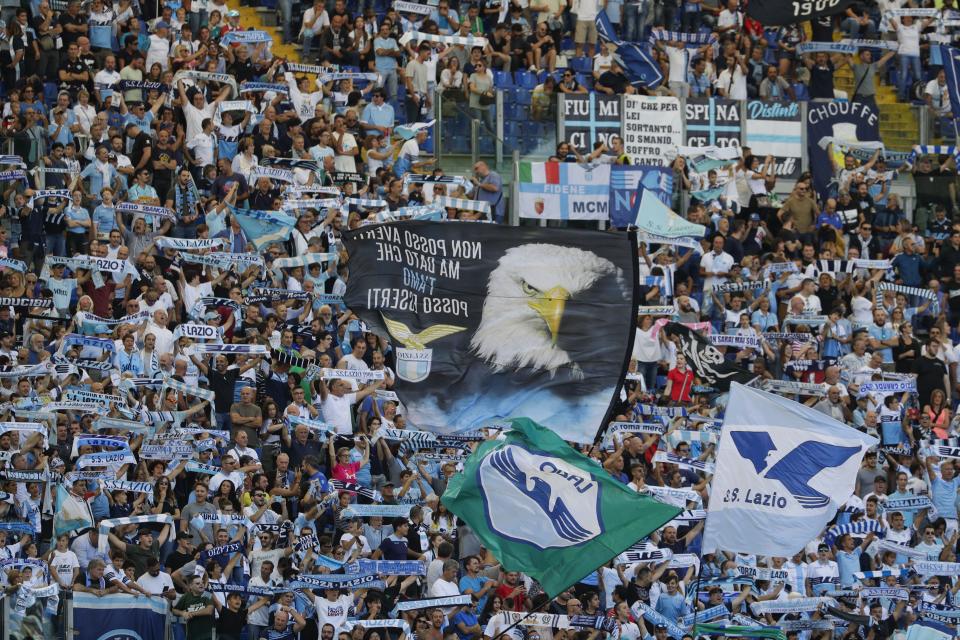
column 104, row 617
column 924, row 629
column 783, row 468
column 655, row 217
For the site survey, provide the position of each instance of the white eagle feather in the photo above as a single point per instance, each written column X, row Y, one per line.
column 527, row 294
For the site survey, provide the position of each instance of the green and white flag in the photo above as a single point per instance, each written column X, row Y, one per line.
column 545, row 509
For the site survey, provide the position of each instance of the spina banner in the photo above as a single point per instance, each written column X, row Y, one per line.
column 490, row 322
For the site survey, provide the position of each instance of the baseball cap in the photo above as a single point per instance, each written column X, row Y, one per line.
column 755, row 217
column 183, row 535
column 233, row 13
column 161, row 25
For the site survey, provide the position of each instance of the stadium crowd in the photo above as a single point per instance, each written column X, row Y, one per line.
column 136, row 130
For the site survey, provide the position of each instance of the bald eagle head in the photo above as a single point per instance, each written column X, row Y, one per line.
column 530, row 303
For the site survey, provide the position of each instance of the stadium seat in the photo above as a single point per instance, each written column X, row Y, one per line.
column 581, row 65
column 522, row 96
column 586, row 80
column 502, row 80
column 525, row 79
column 50, row 91
column 801, row 90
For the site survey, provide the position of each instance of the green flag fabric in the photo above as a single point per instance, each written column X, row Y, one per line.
column 545, row 509
column 734, row 631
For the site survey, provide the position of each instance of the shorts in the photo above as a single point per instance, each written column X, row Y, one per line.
column 586, row 31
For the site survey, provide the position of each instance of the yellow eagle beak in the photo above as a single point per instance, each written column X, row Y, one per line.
column 550, row 305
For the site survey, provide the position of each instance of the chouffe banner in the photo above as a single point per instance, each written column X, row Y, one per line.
column 845, row 122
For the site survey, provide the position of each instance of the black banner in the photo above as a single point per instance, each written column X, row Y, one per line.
column 778, row 12
column 491, row 322
column 705, row 360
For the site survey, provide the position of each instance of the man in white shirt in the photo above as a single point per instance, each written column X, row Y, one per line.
column 156, row 582
column 353, row 361
column 336, row 401
column 715, row 269
column 241, row 446
column 446, row 584
column 197, row 110
column 158, row 327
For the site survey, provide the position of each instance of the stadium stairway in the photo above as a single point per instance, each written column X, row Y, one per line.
column 898, row 123
column 266, row 19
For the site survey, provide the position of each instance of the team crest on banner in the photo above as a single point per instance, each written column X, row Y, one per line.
column 491, row 322
column 783, row 468
column 628, row 182
column 561, row 503
column 575, row 515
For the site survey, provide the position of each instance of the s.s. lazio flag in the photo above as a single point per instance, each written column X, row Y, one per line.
column 545, row 509
column 264, row 227
column 783, row 469
column 924, row 629
column 119, row 615
column 627, row 184
column 655, row 217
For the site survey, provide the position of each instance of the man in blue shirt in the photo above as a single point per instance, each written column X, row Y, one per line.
column 909, row 265
column 472, row 583
column 943, row 489
column 378, row 116
column 395, row 546
column 387, row 52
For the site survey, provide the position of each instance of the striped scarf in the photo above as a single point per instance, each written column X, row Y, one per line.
column 366, row 492
column 466, row 41
column 459, row 203
column 697, row 39
column 858, row 529
column 258, row 87
column 106, row 525
column 935, row 149
column 136, row 208
column 825, row 47
column 189, row 244
column 303, row 261
column 919, row 292
column 271, row 173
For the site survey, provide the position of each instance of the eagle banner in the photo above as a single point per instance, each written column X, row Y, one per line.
column 706, row 361
column 576, row 516
column 490, row 322
column 783, row 468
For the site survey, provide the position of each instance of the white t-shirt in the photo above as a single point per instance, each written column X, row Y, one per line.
column 159, row 51
column 191, row 293
column 63, row 563
column 344, row 162
column 195, row 118
column 155, row 586
column 332, row 611
column 336, row 411
column 908, row 39
column 679, row 61
column 365, row 549
column 735, row 84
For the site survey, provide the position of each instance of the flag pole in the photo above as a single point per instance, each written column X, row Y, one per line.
column 536, row 609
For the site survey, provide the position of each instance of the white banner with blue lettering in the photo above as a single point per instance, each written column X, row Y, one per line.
column 783, row 468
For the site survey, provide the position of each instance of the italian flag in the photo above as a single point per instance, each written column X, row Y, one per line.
column 540, row 172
